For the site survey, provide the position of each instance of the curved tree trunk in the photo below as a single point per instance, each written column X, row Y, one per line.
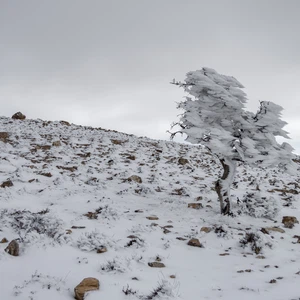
column 224, row 183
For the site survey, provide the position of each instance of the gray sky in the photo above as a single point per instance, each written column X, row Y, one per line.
column 109, row 63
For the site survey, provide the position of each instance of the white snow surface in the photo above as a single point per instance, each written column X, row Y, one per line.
column 89, row 172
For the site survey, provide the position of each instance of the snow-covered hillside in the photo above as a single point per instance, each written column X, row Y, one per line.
column 88, row 202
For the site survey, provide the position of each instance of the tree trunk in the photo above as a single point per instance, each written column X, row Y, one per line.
column 224, row 183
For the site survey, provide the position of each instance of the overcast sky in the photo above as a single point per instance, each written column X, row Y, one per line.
column 109, row 63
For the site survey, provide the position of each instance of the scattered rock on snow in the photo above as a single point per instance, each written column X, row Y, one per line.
column 182, row 161
column 102, row 249
column 156, row 264
column 206, row 229
column 195, row 205
column 86, row 285
column 3, row 241
column 152, row 218
column 273, row 281
column 135, row 178
column 56, row 144
column 276, row 229
column 195, row 243
column 4, row 137
column 12, row 248
column 289, row 221
column 18, row 116
column 7, row 183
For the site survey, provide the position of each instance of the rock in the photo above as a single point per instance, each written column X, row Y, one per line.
column 152, row 218
column 260, row 257
column 224, row 254
column 181, row 238
column 117, row 142
column 65, row 123
column 273, row 281
column 68, row 231
column 3, row 241
column 276, row 229
column 195, row 205
column 195, row 243
column 4, row 137
column 78, row 227
column 102, row 249
column 7, row 183
column 206, row 229
column 289, row 221
column 56, row 144
column 173, row 276
column 156, row 264
column 12, row 248
column 135, row 178
column 18, row 116
column 182, row 161
column 86, row 285
column 132, row 237
column 46, row 174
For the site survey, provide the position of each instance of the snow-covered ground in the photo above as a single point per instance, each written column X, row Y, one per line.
column 79, row 189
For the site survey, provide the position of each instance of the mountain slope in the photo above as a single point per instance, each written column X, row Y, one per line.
column 71, row 191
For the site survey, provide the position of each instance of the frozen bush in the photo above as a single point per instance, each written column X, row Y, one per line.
column 258, row 206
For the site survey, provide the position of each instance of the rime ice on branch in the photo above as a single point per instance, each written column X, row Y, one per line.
column 214, row 116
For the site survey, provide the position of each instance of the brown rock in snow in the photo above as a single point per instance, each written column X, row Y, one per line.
column 12, row 248
column 289, row 221
column 18, row 116
column 86, row 285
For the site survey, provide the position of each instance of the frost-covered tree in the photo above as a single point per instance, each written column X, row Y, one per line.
column 215, row 117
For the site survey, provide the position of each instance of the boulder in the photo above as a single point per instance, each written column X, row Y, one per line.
column 86, row 285
column 289, row 221
column 195, row 205
column 4, row 137
column 182, row 161
column 12, row 248
column 206, row 229
column 7, row 183
column 156, row 264
column 135, row 178
column 195, row 243
column 18, row 116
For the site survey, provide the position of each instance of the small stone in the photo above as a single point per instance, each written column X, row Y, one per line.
column 240, row 271
column 78, row 227
column 135, row 178
column 138, row 211
column 182, row 161
column 86, row 285
column 273, row 281
column 65, row 123
column 12, row 248
column 7, row 183
column 289, row 221
column 18, row 116
column 156, row 264
column 173, row 276
column 166, row 231
column 181, row 238
column 260, row 257
column 248, row 270
column 224, row 254
column 206, row 229
column 3, row 241
column 195, row 243
column 56, row 144
column 4, row 137
column 68, row 231
column 152, row 218
column 132, row 237
column 275, row 229
column 102, row 249
column 195, row 205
